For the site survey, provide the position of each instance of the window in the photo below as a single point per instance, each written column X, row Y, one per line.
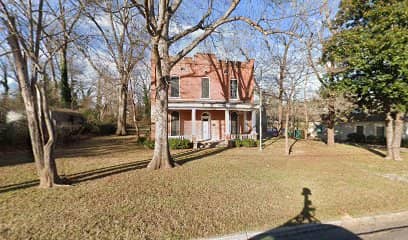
column 379, row 131
column 175, row 124
column 233, row 89
column 174, row 87
column 360, row 130
column 205, row 87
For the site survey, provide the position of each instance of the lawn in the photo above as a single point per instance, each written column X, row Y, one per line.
column 213, row 192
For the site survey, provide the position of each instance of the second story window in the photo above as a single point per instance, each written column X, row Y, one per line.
column 205, row 87
column 175, row 86
column 234, row 89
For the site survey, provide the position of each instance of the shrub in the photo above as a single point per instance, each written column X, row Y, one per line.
column 99, row 128
column 141, row 140
column 148, row 144
column 404, row 143
column 15, row 133
column 176, row 143
column 371, row 139
column 107, row 128
column 245, row 143
column 237, row 143
column 356, row 138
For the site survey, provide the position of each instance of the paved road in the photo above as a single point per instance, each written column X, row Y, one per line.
column 381, row 227
column 395, row 233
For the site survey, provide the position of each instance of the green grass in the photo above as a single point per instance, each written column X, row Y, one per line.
column 215, row 191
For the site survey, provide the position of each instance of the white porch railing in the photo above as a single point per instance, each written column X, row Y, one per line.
column 182, row 137
column 243, row 136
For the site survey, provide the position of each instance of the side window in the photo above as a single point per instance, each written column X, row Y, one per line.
column 380, row 131
column 175, row 87
column 233, row 89
column 205, row 87
column 360, row 130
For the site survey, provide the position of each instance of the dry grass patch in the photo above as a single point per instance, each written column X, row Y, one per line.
column 215, row 191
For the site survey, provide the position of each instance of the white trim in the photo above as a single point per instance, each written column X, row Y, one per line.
column 234, row 99
column 212, row 106
column 179, row 123
column 179, row 86
column 209, row 88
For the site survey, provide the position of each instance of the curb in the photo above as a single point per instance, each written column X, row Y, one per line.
column 362, row 225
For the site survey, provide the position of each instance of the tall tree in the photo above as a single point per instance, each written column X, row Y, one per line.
column 67, row 19
column 158, row 15
column 125, row 42
column 25, row 35
column 319, row 28
column 371, row 44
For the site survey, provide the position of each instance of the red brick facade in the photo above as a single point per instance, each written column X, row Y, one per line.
column 218, row 106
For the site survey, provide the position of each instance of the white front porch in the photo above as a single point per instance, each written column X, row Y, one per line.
column 198, row 124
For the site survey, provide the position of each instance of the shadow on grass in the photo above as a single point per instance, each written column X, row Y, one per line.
column 270, row 141
column 97, row 146
column 15, row 158
column 306, row 226
column 181, row 158
column 368, row 148
column 292, row 145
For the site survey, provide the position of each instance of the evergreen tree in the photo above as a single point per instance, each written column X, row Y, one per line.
column 371, row 47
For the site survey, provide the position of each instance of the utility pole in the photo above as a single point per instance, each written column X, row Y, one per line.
column 260, row 114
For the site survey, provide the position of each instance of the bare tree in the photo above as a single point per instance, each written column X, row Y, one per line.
column 125, row 43
column 324, row 73
column 158, row 16
column 25, row 35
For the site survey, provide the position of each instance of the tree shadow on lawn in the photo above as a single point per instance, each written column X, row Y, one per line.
column 370, row 148
column 180, row 158
column 306, row 226
column 15, row 158
column 92, row 147
column 270, row 141
column 292, row 145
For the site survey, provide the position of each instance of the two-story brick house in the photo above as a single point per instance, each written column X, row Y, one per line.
column 210, row 99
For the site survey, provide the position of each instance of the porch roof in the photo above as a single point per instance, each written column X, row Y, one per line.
column 212, row 106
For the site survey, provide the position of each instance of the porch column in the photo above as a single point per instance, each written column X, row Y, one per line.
column 253, row 122
column 227, row 124
column 193, row 124
column 245, row 123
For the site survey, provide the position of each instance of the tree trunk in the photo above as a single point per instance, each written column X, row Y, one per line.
column 396, row 143
column 331, row 122
column 6, row 88
column 287, row 147
column 36, row 107
column 389, row 128
column 306, row 122
column 121, row 123
column 134, row 110
column 306, row 111
column 161, row 155
column 280, row 114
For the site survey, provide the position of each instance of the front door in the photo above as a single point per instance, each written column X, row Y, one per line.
column 205, row 120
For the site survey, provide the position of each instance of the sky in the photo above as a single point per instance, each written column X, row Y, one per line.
column 229, row 39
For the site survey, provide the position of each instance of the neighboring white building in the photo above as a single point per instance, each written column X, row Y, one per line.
column 369, row 126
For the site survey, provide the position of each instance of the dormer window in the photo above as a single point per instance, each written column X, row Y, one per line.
column 175, row 86
column 234, row 89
